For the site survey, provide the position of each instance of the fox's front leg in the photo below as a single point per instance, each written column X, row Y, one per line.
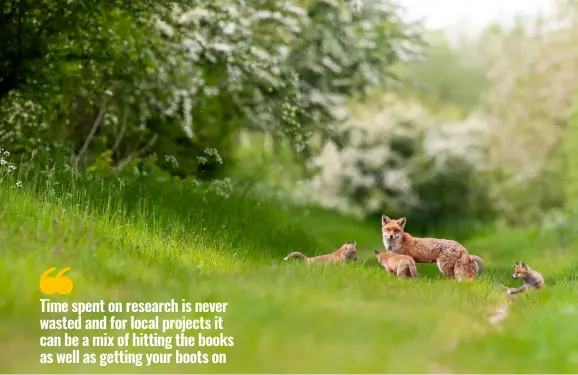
column 521, row 289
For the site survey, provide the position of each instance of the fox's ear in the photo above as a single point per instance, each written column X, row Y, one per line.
column 522, row 264
column 376, row 252
column 385, row 219
column 401, row 222
column 516, row 263
column 354, row 243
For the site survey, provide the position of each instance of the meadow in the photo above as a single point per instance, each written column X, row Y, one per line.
column 179, row 150
column 156, row 241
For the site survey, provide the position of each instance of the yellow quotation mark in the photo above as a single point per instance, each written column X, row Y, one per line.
column 58, row 284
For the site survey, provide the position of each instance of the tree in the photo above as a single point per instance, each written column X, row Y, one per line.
column 126, row 80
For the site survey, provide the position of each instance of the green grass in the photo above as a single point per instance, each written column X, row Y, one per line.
column 152, row 242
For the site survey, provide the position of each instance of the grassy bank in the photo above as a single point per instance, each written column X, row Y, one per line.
column 153, row 242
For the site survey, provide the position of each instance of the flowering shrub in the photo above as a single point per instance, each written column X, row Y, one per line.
column 183, row 77
column 6, row 166
column 394, row 156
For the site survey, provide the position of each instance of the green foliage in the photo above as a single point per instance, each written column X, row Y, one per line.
column 447, row 75
column 455, row 196
column 143, row 78
column 563, row 219
column 568, row 148
column 45, row 36
column 102, row 163
column 529, row 99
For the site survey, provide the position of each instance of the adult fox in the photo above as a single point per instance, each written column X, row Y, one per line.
column 452, row 259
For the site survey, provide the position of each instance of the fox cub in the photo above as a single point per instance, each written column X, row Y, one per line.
column 532, row 279
column 402, row 266
column 345, row 252
column 452, row 259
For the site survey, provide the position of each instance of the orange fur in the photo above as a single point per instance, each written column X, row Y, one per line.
column 345, row 252
column 452, row 259
column 401, row 266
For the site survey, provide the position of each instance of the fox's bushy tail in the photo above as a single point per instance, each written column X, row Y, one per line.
column 412, row 270
column 478, row 264
column 296, row 255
